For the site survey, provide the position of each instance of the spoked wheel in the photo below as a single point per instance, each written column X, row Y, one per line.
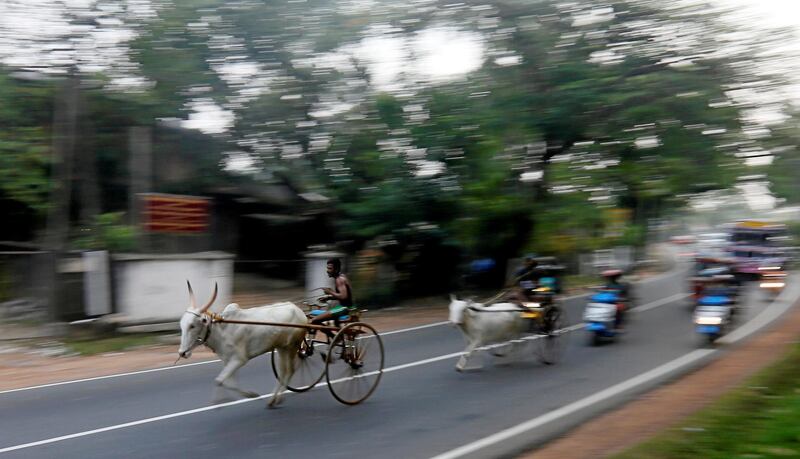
column 550, row 344
column 354, row 363
column 309, row 365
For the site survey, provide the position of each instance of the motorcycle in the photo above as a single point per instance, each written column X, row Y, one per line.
column 600, row 315
column 773, row 279
column 714, row 312
column 707, row 269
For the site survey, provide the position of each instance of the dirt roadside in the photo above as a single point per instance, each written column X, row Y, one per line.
column 20, row 367
column 603, row 436
column 24, row 367
column 668, row 405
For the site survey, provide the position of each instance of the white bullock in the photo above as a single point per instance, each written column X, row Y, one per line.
column 236, row 344
column 484, row 325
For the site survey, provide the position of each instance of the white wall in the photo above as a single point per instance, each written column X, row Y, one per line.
column 153, row 287
column 317, row 274
column 96, row 283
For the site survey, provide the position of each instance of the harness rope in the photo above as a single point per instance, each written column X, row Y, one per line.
column 473, row 308
column 218, row 319
column 496, row 297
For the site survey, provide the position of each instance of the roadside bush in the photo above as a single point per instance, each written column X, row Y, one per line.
column 107, row 233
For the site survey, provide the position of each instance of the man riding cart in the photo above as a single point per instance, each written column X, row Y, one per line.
column 537, row 281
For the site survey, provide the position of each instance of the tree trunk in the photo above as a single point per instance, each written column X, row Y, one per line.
column 65, row 121
column 140, row 147
column 90, row 198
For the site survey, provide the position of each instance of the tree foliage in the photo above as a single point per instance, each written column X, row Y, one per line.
column 576, row 109
column 24, row 153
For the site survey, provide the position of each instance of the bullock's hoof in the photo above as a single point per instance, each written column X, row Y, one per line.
column 466, row 369
column 249, row 394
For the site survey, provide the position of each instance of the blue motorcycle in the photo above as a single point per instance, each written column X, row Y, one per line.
column 600, row 315
column 714, row 312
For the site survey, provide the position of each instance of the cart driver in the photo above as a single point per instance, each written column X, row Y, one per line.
column 341, row 294
column 525, row 280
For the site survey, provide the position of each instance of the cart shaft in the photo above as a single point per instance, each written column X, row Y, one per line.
column 278, row 324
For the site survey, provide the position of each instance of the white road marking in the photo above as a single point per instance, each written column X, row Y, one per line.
column 574, row 406
column 642, row 308
column 97, row 378
column 661, row 302
column 200, row 410
column 420, row 327
column 773, row 311
column 208, row 408
column 239, row 402
column 177, row 367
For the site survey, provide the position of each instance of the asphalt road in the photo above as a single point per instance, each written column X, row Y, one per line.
column 421, row 409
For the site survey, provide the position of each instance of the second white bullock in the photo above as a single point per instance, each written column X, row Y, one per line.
column 236, row 344
column 484, row 325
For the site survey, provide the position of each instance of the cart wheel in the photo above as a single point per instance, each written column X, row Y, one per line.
column 309, row 365
column 355, row 363
column 551, row 343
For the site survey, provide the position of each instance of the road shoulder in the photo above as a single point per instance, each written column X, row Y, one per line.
column 668, row 405
column 20, row 367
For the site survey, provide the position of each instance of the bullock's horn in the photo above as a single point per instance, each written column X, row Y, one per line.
column 193, row 302
column 211, row 301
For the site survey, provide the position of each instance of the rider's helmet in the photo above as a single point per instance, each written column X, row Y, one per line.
column 611, row 274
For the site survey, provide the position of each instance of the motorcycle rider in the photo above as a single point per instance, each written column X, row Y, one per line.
column 613, row 281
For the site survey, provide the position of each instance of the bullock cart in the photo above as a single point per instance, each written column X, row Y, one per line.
column 495, row 324
column 348, row 353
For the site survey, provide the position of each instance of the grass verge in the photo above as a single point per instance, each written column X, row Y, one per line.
column 760, row 419
column 110, row 344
